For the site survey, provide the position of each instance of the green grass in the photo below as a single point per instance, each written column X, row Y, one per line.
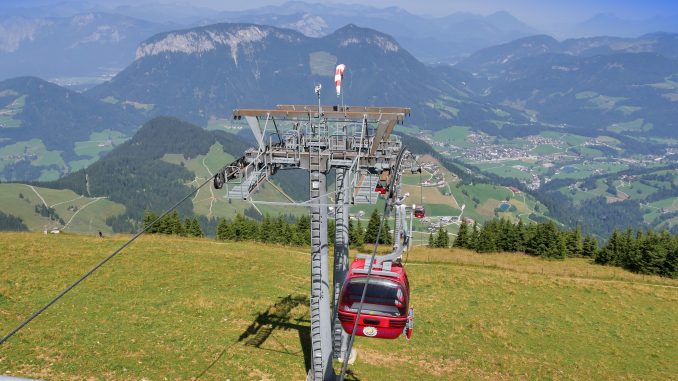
column 440, row 210
column 456, row 135
column 634, row 125
column 605, row 102
column 508, row 171
column 545, row 149
column 8, row 113
column 186, row 308
column 90, row 219
column 574, row 140
column 99, row 142
column 9, row 122
column 35, row 151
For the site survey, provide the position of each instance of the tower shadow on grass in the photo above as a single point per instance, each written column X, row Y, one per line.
column 278, row 317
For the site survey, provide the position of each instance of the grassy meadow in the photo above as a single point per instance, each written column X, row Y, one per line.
column 179, row 308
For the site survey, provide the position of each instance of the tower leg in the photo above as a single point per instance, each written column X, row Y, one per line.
column 321, row 319
column 341, row 244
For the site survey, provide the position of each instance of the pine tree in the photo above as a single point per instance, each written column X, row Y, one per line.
column 303, row 230
column 610, row 252
column 652, row 254
column 475, row 234
column 196, row 231
column 589, row 246
column 442, row 239
column 670, row 266
column 574, row 243
column 188, row 227
column 266, row 232
column 386, row 237
column 224, row 230
column 358, row 234
column 462, row 236
column 171, row 224
column 372, row 228
column 486, row 242
column 149, row 217
column 520, row 236
column 431, row 242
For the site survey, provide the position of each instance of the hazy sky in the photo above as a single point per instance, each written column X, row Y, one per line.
column 538, row 13
column 532, row 11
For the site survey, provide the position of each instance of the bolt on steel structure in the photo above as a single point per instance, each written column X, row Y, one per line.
column 356, row 141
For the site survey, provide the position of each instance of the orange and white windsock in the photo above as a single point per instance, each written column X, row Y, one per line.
column 338, row 76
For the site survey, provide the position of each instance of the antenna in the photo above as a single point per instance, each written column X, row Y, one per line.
column 318, row 87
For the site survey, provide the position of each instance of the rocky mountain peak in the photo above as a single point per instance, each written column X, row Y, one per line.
column 205, row 39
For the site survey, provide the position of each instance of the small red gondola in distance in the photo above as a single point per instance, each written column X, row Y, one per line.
column 386, row 313
column 382, row 184
column 419, row 212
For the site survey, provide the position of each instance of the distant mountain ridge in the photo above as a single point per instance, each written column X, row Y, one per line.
column 202, row 73
column 491, row 60
column 431, row 39
column 42, row 127
column 602, row 84
column 82, row 45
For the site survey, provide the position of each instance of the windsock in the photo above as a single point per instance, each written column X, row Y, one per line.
column 338, row 76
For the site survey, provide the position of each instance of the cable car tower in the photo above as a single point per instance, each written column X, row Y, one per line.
column 356, row 142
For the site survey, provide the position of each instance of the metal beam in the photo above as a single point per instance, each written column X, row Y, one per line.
column 305, row 115
column 379, row 109
column 383, row 132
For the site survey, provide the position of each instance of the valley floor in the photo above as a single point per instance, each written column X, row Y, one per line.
column 179, row 308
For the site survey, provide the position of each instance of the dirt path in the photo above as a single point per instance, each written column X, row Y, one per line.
column 80, row 209
column 63, row 202
column 36, row 192
column 213, row 198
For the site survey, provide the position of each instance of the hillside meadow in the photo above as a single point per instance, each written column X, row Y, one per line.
column 178, row 309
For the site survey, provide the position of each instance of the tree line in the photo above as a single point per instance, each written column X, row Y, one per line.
column 645, row 252
column 171, row 224
column 10, row 222
column 282, row 229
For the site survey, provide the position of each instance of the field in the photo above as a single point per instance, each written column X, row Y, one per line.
column 99, row 142
column 80, row 214
column 36, row 153
column 198, row 309
column 8, row 113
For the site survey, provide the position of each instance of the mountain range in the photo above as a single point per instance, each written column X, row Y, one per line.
column 598, row 84
column 430, row 39
column 83, row 45
column 622, row 87
column 203, row 73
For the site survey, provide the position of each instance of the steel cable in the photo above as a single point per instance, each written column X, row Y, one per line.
column 91, row 271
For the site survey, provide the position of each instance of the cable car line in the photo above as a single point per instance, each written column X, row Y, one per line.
column 392, row 194
column 93, row 269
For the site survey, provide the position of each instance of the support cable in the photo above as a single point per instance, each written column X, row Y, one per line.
column 90, row 272
column 349, row 348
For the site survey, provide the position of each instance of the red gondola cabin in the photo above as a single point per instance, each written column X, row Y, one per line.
column 385, row 310
column 382, row 184
column 419, row 212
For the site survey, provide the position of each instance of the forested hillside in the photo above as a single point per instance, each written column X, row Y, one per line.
column 134, row 175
